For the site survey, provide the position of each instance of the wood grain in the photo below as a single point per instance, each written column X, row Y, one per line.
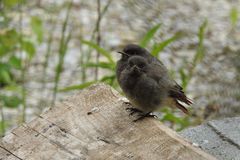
column 95, row 125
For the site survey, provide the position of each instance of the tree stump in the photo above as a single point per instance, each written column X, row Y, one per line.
column 95, row 125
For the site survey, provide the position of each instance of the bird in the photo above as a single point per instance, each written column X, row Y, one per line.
column 146, row 83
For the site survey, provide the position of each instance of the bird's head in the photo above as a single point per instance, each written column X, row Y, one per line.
column 137, row 64
column 133, row 50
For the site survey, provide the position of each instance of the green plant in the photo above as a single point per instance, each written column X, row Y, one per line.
column 186, row 75
column 234, row 17
column 47, row 55
column 149, row 36
column 109, row 63
column 16, row 52
column 176, row 122
column 95, row 38
column 37, row 27
column 27, row 52
column 63, row 46
column 9, row 63
column 159, row 47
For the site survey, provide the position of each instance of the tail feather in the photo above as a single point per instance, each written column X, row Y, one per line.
column 178, row 95
column 181, row 107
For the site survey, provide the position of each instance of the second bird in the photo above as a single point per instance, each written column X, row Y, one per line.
column 146, row 83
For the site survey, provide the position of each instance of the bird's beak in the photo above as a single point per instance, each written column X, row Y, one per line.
column 136, row 68
column 123, row 53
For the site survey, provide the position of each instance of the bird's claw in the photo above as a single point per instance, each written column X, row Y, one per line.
column 127, row 103
column 140, row 114
column 144, row 115
column 133, row 110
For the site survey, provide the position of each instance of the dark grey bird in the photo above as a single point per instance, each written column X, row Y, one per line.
column 146, row 83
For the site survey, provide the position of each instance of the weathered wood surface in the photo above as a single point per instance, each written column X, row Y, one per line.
column 67, row 131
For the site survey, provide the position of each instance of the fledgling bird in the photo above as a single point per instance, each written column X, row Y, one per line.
column 146, row 83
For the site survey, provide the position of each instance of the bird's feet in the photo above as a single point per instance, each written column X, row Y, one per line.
column 144, row 115
column 140, row 114
column 127, row 103
column 133, row 110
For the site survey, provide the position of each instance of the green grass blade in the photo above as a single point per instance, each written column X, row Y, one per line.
column 184, row 79
column 63, row 46
column 200, row 50
column 29, row 48
column 37, row 27
column 47, row 55
column 102, row 51
column 234, row 16
column 75, row 87
column 160, row 46
column 197, row 57
column 149, row 35
column 104, row 65
column 105, row 78
column 109, row 79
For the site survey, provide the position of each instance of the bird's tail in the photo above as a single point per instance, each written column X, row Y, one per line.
column 178, row 95
column 181, row 107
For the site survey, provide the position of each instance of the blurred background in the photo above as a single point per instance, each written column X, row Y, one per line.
column 52, row 49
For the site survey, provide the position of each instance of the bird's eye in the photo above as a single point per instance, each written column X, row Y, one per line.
column 141, row 65
column 131, row 64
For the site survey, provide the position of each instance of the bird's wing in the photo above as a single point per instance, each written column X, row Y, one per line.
column 176, row 92
column 157, row 71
